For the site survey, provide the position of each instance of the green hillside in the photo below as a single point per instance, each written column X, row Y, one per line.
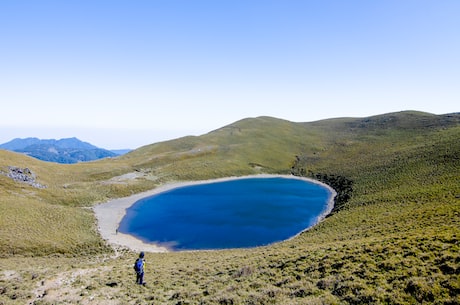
column 394, row 239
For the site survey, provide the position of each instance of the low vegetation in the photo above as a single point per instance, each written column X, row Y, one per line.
column 392, row 239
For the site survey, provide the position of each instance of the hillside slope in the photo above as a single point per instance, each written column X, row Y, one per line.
column 395, row 241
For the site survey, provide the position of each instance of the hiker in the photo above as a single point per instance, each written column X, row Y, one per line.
column 139, row 268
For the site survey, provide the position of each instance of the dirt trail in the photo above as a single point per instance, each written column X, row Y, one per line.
column 64, row 286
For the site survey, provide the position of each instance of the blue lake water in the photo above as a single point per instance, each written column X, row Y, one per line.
column 239, row 213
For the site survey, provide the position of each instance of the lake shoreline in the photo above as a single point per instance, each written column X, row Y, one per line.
column 110, row 214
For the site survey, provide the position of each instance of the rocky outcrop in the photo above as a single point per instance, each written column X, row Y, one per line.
column 24, row 175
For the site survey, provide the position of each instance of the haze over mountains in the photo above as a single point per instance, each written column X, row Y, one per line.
column 68, row 150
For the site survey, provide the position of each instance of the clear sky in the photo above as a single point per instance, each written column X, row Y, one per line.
column 123, row 74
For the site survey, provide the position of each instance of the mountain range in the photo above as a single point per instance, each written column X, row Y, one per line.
column 68, row 150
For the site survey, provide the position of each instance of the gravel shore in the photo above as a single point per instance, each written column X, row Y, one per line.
column 110, row 214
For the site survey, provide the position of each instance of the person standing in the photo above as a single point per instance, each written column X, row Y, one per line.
column 139, row 268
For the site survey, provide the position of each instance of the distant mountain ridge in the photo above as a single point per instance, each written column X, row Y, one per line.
column 67, row 150
column 18, row 143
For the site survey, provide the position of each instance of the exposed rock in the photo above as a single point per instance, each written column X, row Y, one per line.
column 24, row 175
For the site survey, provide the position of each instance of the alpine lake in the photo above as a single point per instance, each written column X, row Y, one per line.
column 236, row 213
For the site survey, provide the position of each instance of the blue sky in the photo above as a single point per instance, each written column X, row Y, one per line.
column 122, row 74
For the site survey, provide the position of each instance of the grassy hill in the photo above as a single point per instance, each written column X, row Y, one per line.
column 396, row 241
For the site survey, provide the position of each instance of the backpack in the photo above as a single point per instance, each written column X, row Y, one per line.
column 138, row 265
